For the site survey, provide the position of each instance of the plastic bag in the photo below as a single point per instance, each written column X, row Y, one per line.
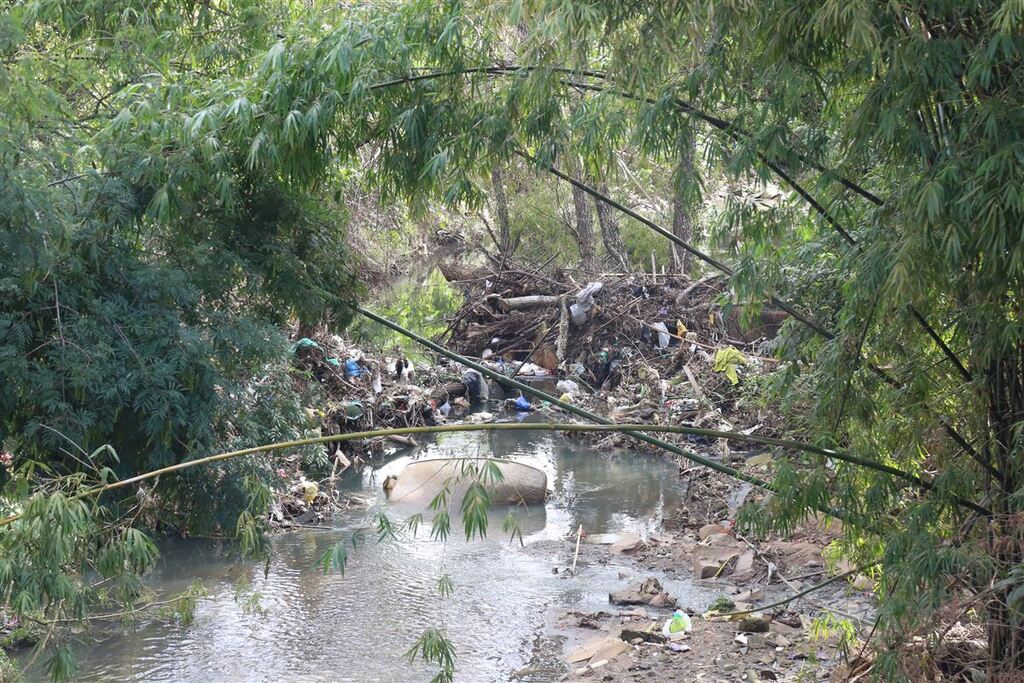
column 476, row 386
column 663, row 338
column 352, row 368
column 727, row 360
column 584, row 302
column 567, row 386
column 679, row 623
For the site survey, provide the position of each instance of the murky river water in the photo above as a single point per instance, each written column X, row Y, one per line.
column 356, row 627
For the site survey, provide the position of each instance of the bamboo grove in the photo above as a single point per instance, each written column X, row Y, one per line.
column 170, row 194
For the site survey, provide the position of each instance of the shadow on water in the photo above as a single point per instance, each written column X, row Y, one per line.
column 356, row 627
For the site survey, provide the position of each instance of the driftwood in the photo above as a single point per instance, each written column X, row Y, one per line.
column 446, row 392
column 518, row 303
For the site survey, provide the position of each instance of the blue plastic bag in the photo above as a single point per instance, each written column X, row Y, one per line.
column 352, row 368
column 522, row 403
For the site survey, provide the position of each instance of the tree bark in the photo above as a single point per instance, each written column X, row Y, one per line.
column 682, row 207
column 501, row 209
column 1004, row 385
column 584, row 229
column 610, row 231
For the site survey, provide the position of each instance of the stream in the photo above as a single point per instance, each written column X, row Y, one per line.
column 356, row 627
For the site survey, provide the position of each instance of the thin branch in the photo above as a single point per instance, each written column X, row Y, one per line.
column 948, row 352
column 797, row 596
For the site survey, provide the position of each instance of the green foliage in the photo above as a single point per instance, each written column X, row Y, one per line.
column 335, row 558
column 149, row 270
column 829, row 625
column 62, row 666
column 511, row 526
column 183, row 609
column 445, row 587
column 434, row 647
column 475, row 504
column 9, row 672
column 721, row 604
column 421, row 302
column 248, row 598
column 65, row 558
column 27, row 633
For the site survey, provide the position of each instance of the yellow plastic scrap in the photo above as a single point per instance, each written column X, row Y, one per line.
column 727, row 360
column 309, row 490
column 680, row 328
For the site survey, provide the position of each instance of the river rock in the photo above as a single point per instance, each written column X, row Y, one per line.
column 599, row 650
column 724, row 540
column 627, row 543
column 799, row 555
column 711, row 529
column 602, row 539
column 754, row 625
column 421, row 480
column 744, row 568
column 708, row 561
column 663, row 600
column 649, row 592
column 863, row 583
column 645, row 632
column 705, row 568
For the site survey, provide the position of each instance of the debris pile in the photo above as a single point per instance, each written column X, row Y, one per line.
column 367, row 391
column 636, row 348
column 362, row 392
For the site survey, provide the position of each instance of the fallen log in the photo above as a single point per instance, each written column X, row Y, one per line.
column 446, row 392
column 518, row 303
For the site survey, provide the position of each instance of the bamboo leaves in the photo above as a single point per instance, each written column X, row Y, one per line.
column 434, row 647
column 335, row 558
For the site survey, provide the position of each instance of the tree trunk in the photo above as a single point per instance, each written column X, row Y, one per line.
column 610, row 231
column 1005, row 389
column 501, row 209
column 584, row 229
column 682, row 207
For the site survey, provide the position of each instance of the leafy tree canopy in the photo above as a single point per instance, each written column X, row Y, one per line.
column 166, row 165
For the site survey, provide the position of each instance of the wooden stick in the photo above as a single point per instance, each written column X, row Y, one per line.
column 579, row 537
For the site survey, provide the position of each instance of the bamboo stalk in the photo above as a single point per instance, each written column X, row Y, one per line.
column 689, row 455
column 503, row 426
column 633, row 429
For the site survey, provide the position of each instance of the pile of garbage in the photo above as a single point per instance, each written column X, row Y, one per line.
column 367, row 391
column 364, row 391
column 637, row 347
